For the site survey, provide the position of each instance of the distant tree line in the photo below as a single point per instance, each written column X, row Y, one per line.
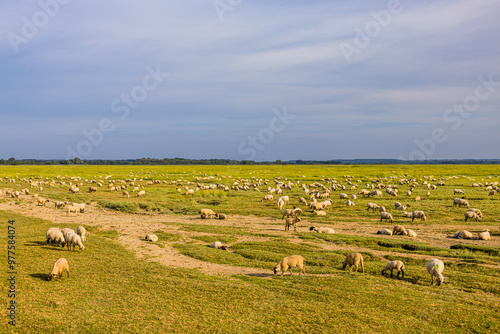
column 182, row 161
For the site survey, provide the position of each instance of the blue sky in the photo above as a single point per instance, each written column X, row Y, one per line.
column 259, row 80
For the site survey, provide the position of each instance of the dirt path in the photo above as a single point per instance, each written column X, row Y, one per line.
column 133, row 227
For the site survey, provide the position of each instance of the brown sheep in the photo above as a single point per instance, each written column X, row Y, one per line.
column 59, row 267
column 353, row 259
column 290, row 262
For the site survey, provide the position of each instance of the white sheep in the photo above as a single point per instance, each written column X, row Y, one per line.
column 397, row 205
column 411, row 233
column 463, row 235
column 319, row 212
column 218, row 245
column 141, row 193
column 349, row 203
column 74, row 209
column 55, row 237
column 396, row 264
column 267, row 198
column 126, row 194
column 74, row 239
column 42, row 201
column 479, row 213
column 398, row 229
column 458, row 191
column 290, row 262
column 485, row 235
column 207, row 213
column 291, row 212
column 418, row 214
column 353, row 260
column 435, row 267
column 291, row 222
column 472, row 215
column 343, row 196
column 385, row 231
column 59, row 267
column 460, row 202
column 322, row 229
column 387, row 216
column 382, row 208
column 151, row 238
column 372, row 206
column 80, row 230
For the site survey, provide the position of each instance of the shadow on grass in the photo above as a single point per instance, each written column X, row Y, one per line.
column 42, row 277
column 35, row 243
column 260, row 275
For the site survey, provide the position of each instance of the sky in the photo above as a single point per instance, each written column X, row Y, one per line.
column 250, row 80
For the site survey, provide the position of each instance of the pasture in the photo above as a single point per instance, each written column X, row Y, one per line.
column 122, row 284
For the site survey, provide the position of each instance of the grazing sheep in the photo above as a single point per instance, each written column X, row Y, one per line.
column 74, row 239
column 372, row 206
column 207, row 213
column 385, row 231
column 221, row 216
column 364, row 192
column 353, row 260
column 58, row 269
column 398, row 265
column 472, row 215
column 479, row 213
column 291, row 222
column 281, row 203
column 74, row 209
column 267, row 198
column 387, row 216
column 319, row 213
column 218, row 245
column 55, row 237
column 354, row 196
column 151, row 238
column 349, row 203
column 59, row 204
column 382, row 209
column 463, row 235
column 403, row 207
column 64, row 231
column 397, row 205
column 418, row 198
column 290, row 262
column 80, row 230
column 458, row 191
column 322, row 229
column 302, row 201
column 291, row 212
column 126, row 194
column 42, row 201
column 435, row 267
column 485, row 235
column 398, row 229
column 92, row 189
column 141, row 193
column 460, row 202
column 418, row 214
column 411, row 233
column 343, row 196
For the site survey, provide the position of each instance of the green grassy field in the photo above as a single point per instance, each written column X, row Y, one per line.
column 110, row 290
